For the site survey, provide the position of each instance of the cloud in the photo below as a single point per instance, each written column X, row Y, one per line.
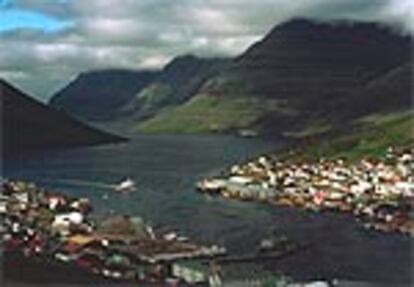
column 402, row 12
column 148, row 33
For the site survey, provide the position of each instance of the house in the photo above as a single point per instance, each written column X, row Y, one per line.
column 192, row 272
column 3, row 204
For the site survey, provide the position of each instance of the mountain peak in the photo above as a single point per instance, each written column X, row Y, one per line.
column 341, row 29
column 183, row 61
column 302, row 38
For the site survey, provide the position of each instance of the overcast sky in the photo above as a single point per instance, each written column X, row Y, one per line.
column 44, row 44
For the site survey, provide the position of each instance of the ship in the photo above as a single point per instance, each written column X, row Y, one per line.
column 127, row 185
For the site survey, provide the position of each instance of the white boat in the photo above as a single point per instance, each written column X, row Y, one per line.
column 126, row 185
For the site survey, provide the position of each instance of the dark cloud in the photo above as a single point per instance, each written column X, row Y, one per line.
column 148, row 33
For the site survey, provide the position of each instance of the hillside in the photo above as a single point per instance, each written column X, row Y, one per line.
column 114, row 95
column 99, row 95
column 370, row 135
column 28, row 124
column 302, row 74
column 388, row 92
column 177, row 82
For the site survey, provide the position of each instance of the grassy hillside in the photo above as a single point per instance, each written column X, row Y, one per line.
column 177, row 83
column 121, row 95
column 368, row 136
column 303, row 79
column 149, row 100
column 212, row 114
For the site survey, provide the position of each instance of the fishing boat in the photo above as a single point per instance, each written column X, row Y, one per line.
column 127, row 185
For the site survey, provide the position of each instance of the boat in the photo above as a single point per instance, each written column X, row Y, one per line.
column 127, row 185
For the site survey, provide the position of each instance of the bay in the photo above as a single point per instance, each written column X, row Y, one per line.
column 165, row 169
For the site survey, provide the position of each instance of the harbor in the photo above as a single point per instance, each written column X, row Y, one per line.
column 377, row 192
column 171, row 205
column 49, row 229
column 52, row 228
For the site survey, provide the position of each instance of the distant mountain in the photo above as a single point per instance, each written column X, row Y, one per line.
column 113, row 95
column 302, row 73
column 99, row 95
column 175, row 84
column 28, row 124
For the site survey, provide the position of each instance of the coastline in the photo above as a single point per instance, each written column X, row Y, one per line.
column 340, row 249
column 48, row 231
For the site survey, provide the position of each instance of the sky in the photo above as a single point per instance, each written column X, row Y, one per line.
column 45, row 44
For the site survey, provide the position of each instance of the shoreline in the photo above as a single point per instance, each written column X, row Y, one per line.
column 302, row 260
column 327, row 261
column 377, row 192
column 48, row 230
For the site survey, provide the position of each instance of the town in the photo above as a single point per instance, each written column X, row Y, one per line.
column 377, row 191
column 50, row 227
column 52, row 231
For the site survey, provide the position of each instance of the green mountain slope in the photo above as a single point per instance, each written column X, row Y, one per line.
column 205, row 113
column 176, row 83
column 122, row 96
column 304, row 76
column 368, row 135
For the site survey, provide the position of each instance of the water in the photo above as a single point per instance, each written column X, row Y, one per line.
column 165, row 169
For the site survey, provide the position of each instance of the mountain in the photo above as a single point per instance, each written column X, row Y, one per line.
column 28, row 124
column 389, row 92
column 113, row 95
column 178, row 81
column 99, row 95
column 302, row 74
column 318, row 59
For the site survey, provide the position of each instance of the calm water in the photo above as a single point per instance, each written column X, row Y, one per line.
column 165, row 169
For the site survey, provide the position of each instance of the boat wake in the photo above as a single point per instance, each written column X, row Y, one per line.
column 78, row 182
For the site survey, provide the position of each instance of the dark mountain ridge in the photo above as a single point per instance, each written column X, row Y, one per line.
column 301, row 72
column 178, row 81
column 97, row 95
column 305, row 72
column 116, row 94
column 28, row 125
column 318, row 58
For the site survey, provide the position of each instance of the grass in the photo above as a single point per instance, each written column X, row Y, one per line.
column 313, row 129
column 369, row 136
column 153, row 95
column 234, row 108
column 381, row 119
column 206, row 113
